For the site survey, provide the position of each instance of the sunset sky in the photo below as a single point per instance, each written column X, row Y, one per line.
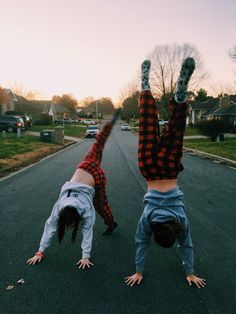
column 93, row 48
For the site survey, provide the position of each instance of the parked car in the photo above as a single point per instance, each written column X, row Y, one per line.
column 25, row 116
column 11, row 123
column 125, row 127
column 64, row 121
column 88, row 122
column 163, row 122
column 92, row 130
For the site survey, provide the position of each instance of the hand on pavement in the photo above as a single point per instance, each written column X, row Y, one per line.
column 35, row 259
column 199, row 282
column 84, row 262
column 136, row 278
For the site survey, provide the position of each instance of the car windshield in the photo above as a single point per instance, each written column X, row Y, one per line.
column 93, row 127
column 125, row 124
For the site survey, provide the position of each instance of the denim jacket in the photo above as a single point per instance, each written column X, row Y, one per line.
column 160, row 207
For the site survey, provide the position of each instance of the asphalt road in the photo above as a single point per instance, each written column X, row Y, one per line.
column 57, row 286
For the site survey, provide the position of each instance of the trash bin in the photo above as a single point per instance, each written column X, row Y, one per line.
column 221, row 137
column 47, row 135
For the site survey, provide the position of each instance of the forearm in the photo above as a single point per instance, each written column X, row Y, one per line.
column 48, row 233
column 86, row 244
column 187, row 257
column 142, row 241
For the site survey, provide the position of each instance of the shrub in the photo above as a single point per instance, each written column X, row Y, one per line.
column 43, row 119
column 213, row 128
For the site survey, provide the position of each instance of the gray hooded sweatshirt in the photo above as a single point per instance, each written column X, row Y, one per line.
column 80, row 197
column 160, row 207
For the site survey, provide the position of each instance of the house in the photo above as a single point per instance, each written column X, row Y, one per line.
column 9, row 104
column 35, row 108
column 226, row 110
column 200, row 110
column 86, row 112
column 215, row 108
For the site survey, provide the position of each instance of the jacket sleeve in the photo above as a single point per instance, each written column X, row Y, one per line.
column 50, row 229
column 142, row 241
column 86, row 245
column 185, row 247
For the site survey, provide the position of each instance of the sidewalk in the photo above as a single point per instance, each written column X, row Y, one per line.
column 70, row 138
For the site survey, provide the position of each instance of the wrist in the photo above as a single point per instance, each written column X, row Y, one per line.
column 41, row 254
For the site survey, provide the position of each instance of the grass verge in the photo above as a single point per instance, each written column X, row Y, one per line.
column 226, row 148
column 189, row 131
column 16, row 153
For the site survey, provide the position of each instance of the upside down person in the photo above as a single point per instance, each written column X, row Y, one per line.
column 79, row 198
column 160, row 162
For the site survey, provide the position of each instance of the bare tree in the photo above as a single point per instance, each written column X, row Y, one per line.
column 66, row 100
column 222, row 89
column 166, row 62
column 20, row 90
column 128, row 90
column 85, row 101
column 232, row 53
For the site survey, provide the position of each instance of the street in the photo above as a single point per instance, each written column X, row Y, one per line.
column 57, row 286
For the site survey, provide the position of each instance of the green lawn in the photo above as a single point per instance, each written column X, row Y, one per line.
column 16, row 153
column 225, row 149
column 188, row 131
column 12, row 146
column 191, row 130
column 70, row 130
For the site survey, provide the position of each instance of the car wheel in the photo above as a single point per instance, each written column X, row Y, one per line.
column 10, row 129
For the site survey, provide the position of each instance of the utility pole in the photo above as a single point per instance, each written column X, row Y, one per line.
column 97, row 111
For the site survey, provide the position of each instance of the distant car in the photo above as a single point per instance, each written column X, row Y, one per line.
column 11, row 123
column 125, row 127
column 163, row 122
column 92, row 130
column 64, row 121
column 88, row 122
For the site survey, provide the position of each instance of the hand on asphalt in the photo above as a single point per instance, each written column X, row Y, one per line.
column 33, row 260
column 131, row 280
column 84, row 262
column 199, row 282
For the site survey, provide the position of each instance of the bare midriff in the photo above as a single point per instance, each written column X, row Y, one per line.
column 81, row 176
column 162, row 185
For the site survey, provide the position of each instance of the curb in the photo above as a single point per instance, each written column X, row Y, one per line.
column 199, row 153
column 220, row 159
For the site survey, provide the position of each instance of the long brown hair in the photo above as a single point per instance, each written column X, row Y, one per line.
column 68, row 216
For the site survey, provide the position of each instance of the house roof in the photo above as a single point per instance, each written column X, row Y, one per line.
column 229, row 110
column 39, row 106
column 205, row 105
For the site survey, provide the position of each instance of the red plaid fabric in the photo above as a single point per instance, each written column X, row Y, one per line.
column 91, row 164
column 159, row 156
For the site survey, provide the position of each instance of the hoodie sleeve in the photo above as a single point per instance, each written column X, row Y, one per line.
column 142, row 241
column 185, row 247
column 50, row 229
column 87, row 230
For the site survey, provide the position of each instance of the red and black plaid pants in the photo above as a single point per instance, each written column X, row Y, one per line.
column 159, row 157
column 91, row 164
